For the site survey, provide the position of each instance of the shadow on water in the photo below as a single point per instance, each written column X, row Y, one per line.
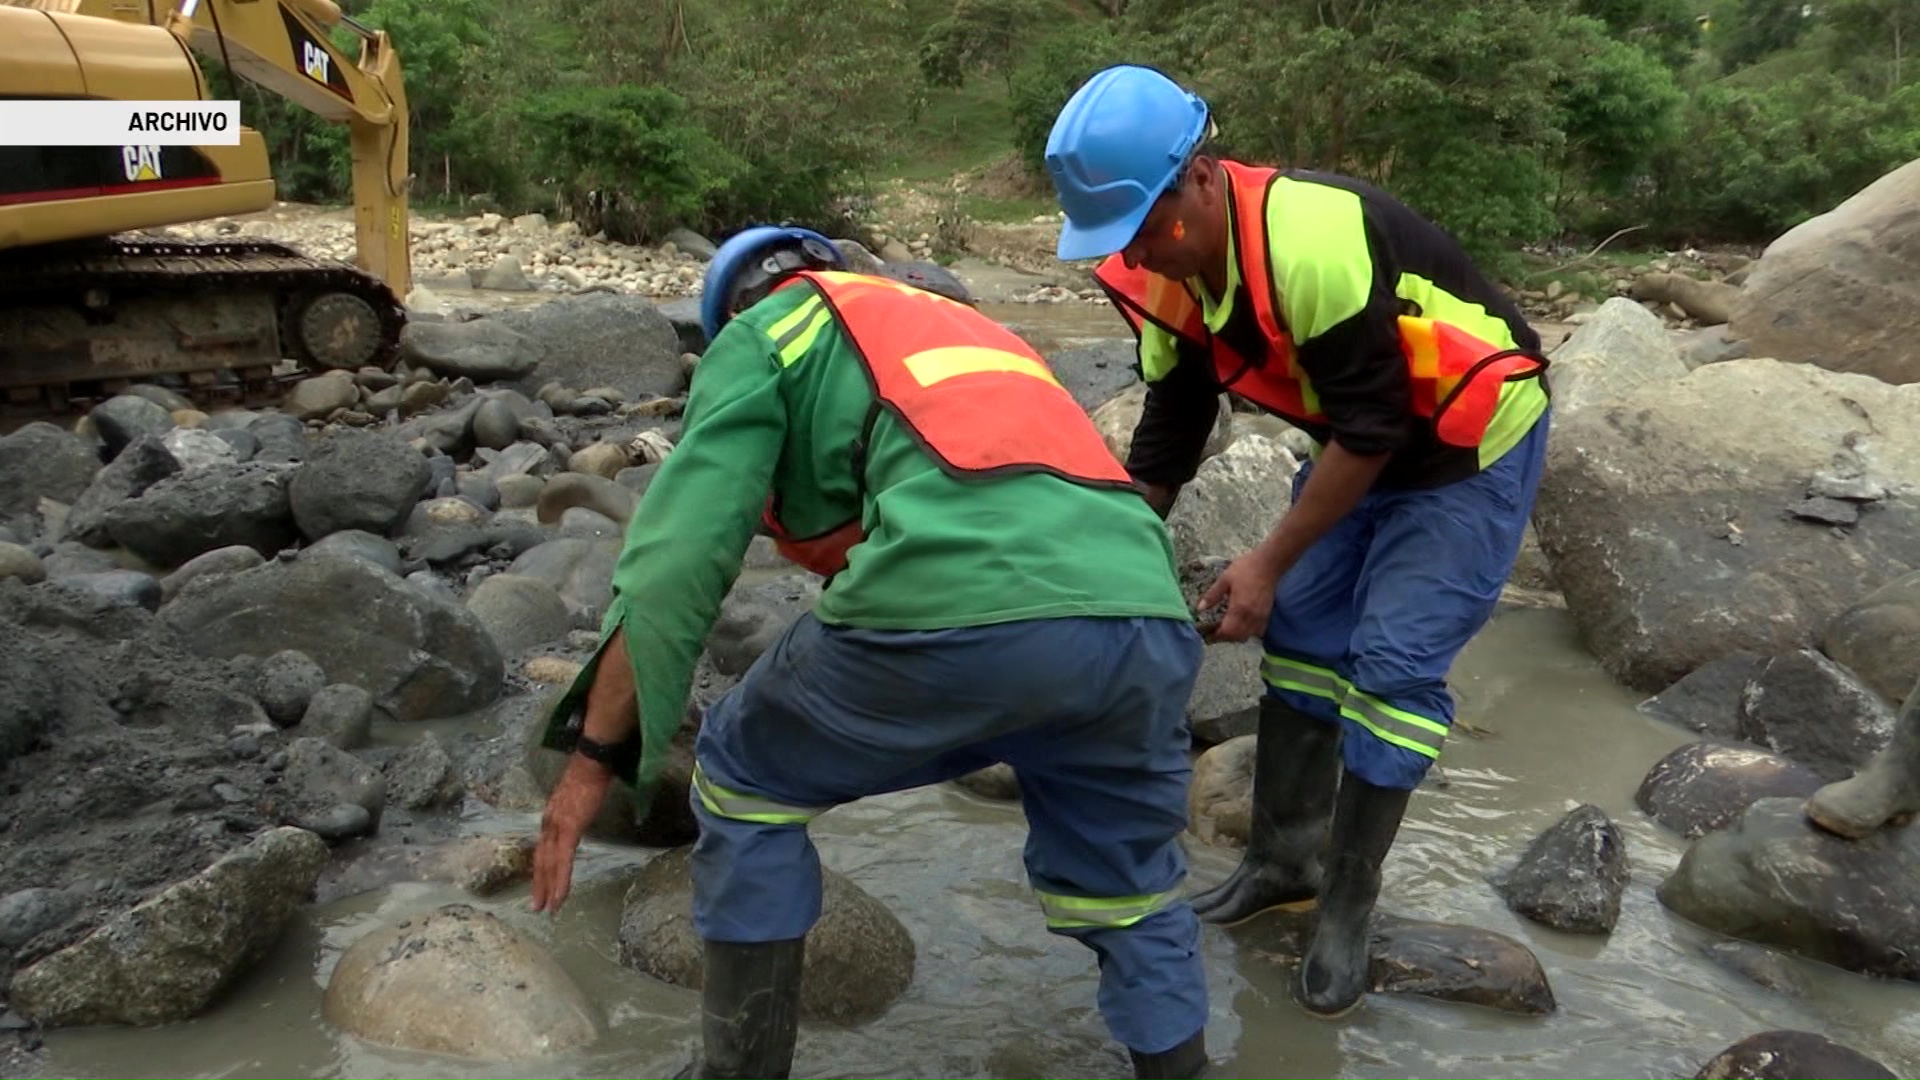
column 995, row 995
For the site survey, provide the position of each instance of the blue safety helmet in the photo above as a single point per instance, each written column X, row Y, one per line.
column 755, row 257
column 1119, row 142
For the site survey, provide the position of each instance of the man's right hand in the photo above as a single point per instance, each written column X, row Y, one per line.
column 1160, row 497
column 570, row 809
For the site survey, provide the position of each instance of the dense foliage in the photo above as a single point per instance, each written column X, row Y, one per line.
column 1510, row 121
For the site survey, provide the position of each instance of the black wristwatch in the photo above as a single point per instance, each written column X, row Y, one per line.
column 607, row 754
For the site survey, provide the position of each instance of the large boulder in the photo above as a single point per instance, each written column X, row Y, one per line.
column 168, row 958
column 1842, row 290
column 357, row 480
column 457, row 980
column 1444, row 961
column 1776, row 879
column 484, row 350
column 40, row 461
column 1706, row 786
column 1095, row 373
column 1784, row 1055
column 420, row 657
column 1878, row 638
column 190, row 514
column 1624, row 346
column 141, row 464
column 859, row 958
column 1116, row 417
column 1815, row 712
column 601, row 339
column 1669, row 514
column 1234, row 500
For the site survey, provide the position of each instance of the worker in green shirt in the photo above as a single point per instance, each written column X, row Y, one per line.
column 998, row 591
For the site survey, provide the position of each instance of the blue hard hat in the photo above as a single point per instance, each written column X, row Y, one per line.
column 742, row 256
column 1116, row 145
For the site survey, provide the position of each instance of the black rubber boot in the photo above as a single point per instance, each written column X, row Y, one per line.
column 1296, row 767
column 1333, row 974
column 1885, row 789
column 1187, row 1061
column 750, row 1011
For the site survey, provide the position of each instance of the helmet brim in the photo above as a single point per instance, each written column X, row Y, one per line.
column 1078, row 243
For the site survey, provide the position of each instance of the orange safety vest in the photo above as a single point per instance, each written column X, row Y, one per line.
column 1456, row 377
column 974, row 395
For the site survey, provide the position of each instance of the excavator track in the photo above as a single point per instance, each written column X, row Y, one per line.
column 79, row 322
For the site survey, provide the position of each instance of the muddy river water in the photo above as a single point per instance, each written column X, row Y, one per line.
column 995, row 995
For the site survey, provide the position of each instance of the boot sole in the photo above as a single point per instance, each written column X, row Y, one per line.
column 1308, row 904
column 1317, row 1015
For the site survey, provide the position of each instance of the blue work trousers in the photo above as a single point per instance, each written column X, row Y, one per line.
column 1366, row 626
column 1091, row 714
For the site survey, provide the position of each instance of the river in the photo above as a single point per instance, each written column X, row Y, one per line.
column 995, row 995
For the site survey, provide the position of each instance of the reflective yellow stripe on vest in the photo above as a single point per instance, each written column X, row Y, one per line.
column 1409, row 731
column 1093, row 913
column 728, row 803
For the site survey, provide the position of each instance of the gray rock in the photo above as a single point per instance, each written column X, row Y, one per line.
column 321, row 396
column 692, row 243
column 997, row 782
column 286, row 684
column 1666, row 534
column 342, row 821
column 1815, row 712
column 281, row 438
column 141, row 464
column 1572, row 876
column 40, row 461
column 341, row 714
column 859, row 959
column 1783, row 1055
column 433, row 586
column 216, row 563
column 1623, row 347
column 1709, row 345
column 494, row 425
column 117, row 588
column 246, row 445
column 754, row 616
column 125, row 417
column 1093, row 374
column 320, row 775
column 424, row 776
column 580, row 570
column 516, row 1003
column 484, row 350
column 197, row 449
column 1825, row 511
column 419, row 657
column 1234, row 500
column 1705, row 786
column 356, row 544
column 518, row 491
column 684, row 314
column 602, row 339
column 477, row 489
column 190, row 514
column 171, row 956
column 357, row 480
column 1765, row 967
column 1776, row 879
column 1118, row 416
column 28, row 913
column 170, row 400
column 1707, row 699
column 433, row 515
column 69, row 560
column 520, row 612
column 1220, row 797
column 18, row 562
column 1878, row 638
column 580, row 521
column 505, row 275
column 596, row 493
column 448, row 432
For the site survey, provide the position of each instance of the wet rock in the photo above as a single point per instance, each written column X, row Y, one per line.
column 1094, row 374
column 246, row 446
column 143, row 463
column 519, row 491
column 320, row 775
column 1234, row 500
column 484, row 350
column 1775, row 879
column 1706, row 786
column 28, row 913
column 69, row 560
column 356, row 544
column 1444, row 961
column 754, row 616
column 596, row 493
column 1878, row 639
column 282, row 438
column 320, row 397
column 115, row 588
column 18, row 562
column 1707, row 699
column 418, row 656
column 1782, row 1055
column 40, row 461
column 1667, row 535
column 170, row 957
column 515, row 1001
column 341, row 714
column 996, row 781
column 859, row 958
column 664, row 819
column 1815, row 712
column 357, row 480
column 190, row 514
column 602, row 339
column 214, row 564
column 424, row 776
column 1623, row 347
column 125, row 417
column 1825, row 511
column 1839, row 290
column 1572, row 876
column 520, row 612
column 1220, row 799
column 1758, row 964
column 287, row 683
column 195, row 449
column 341, row 821
column 1226, row 695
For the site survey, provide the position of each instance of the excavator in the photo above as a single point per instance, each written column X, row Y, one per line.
column 95, row 296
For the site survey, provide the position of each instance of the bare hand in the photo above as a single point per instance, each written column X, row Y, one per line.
column 1247, row 587
column 574, row 804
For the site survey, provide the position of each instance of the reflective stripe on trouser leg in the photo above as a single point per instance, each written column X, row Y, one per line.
column 1087, row 912
column 1396, row 726
column 727, row 803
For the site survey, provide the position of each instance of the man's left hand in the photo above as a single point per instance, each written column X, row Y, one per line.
column 1247, row 587
column 574, row 804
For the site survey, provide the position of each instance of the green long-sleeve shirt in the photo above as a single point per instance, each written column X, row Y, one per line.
column 778, row 402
